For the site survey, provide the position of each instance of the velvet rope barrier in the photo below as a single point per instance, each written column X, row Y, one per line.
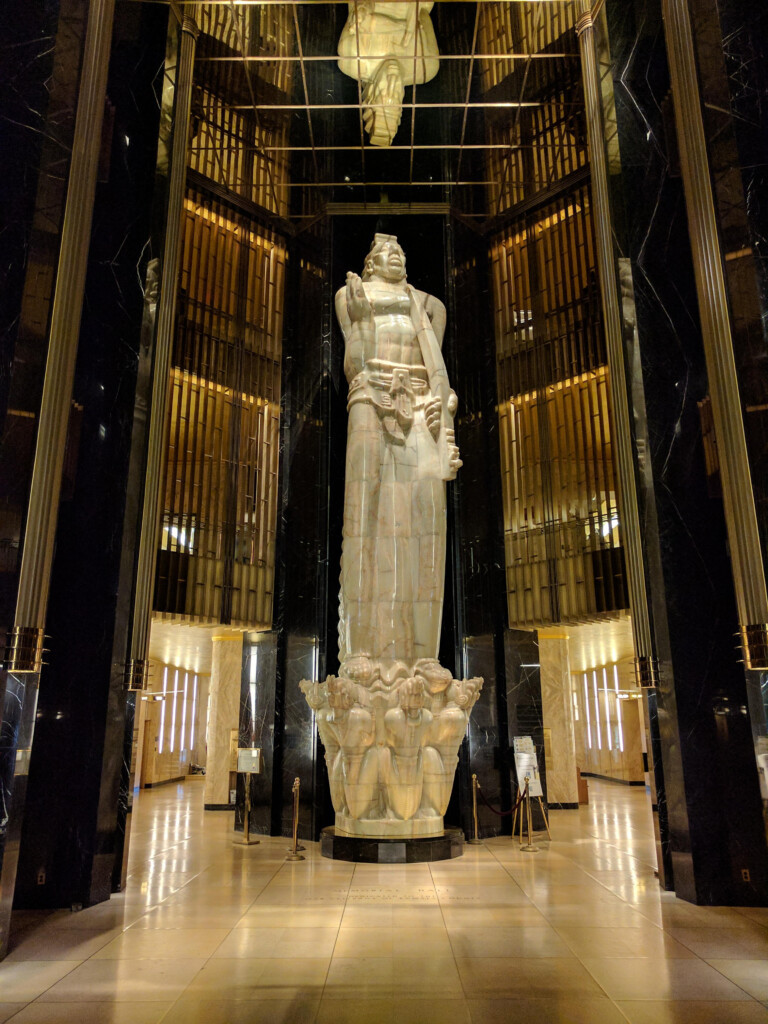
column 501, row 814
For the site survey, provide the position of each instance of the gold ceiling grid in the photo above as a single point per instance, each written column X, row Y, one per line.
column 272, row 50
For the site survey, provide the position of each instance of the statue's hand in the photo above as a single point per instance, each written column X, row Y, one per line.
column 358, row 306
column 432, row 410
column 454, row 460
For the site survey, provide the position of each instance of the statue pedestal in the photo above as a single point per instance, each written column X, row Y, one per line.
column 389, row 828
column 372, row 850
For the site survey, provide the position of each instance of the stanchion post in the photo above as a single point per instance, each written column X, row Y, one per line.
column 293, row 853
column 246, row 840
column 530, row 848
column 475, row 840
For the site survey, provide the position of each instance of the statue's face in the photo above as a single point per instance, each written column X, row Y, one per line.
column 389, row 262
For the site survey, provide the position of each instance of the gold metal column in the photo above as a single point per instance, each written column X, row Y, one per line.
column 136, row 667
column 24, row 647
column 738, row 496
column 645, row 660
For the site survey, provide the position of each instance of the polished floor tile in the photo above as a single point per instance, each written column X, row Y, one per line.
column 92, row 1013
column 124, row 981
column 25, row 981
column 751, row 975
column 211, row 933
column 651, row 978
column 565, row 1010
column 296, row 1009
column 694, row 1012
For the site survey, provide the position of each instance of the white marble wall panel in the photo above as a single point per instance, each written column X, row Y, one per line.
column 557, row 709
column 226, row 669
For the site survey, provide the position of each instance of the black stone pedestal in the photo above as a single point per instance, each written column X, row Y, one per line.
column 372, row 850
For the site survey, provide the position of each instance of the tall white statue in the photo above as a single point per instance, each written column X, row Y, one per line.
column 393, row 719
column 386, row 45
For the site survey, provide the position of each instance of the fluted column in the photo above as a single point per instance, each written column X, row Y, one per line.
column 25, row 644
column 24, row 650
column 613, row 325
column 738, row 495
column 164, row 331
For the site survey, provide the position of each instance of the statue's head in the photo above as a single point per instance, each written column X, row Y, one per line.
column 386, row 259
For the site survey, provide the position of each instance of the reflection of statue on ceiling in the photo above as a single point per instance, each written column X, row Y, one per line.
column 386, row 45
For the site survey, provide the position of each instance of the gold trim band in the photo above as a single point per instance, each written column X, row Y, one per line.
column 647, row 672
column 584, row 22
column 137, row 674
column 754, row 645
column 24, row 649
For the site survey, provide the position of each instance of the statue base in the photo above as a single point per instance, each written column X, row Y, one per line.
column 389, row 828
column 371, row 850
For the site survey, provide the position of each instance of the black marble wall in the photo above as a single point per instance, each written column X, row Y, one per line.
column 257, row 728
column 507, row 660
column 302, row 559
column 712, row 796
column 71, row 841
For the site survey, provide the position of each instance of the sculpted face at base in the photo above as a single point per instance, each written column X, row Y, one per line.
column 392, row 720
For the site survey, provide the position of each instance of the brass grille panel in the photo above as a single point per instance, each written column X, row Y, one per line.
column 562, row 532
column 219, row 522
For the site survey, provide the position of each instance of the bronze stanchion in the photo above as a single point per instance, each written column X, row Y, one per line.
column 475, row 840
column 293, row 853
column 530, row 848
column 246, row 840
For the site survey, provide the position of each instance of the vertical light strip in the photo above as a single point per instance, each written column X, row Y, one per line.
column 161, row 740
column 598, row 729
column 586, row 709
column 607, row 710
column 618, row 707
column 194, row 714
column 184, row 711
column 173, row 710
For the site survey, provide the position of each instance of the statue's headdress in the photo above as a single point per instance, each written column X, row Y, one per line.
column 379, row 241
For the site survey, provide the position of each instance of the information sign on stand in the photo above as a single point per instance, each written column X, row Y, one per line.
column 527, row 766
column 248, row 764
column 249, row 760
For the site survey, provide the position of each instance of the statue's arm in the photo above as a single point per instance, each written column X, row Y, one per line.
column 355, row 318
column 435, row 310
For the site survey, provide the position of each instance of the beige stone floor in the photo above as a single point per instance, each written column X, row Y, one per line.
column 208, row 932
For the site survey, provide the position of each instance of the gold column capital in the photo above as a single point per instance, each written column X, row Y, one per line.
column 584, row 22
column 188, row 24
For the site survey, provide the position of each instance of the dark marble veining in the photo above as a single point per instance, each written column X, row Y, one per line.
column 715, row 829
column 257, row 728
column 302, row 574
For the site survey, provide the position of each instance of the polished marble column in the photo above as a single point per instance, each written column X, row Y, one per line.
column 24, row 656
column 708, row 262
column 226, row 673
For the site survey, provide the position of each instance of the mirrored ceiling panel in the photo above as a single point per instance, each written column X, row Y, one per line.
column 489, row 124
